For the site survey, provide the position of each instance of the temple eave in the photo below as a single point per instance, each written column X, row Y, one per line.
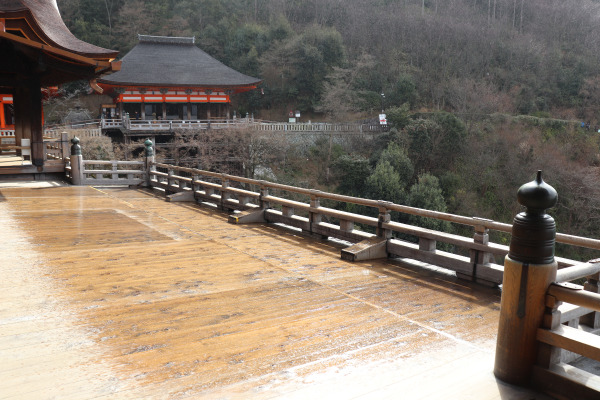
column 175, row 86
column 98, row 65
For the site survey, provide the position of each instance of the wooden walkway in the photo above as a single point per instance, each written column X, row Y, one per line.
column 10, row 160
column 117, row 294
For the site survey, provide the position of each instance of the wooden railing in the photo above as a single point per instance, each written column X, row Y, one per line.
column 171, row 125
column 57, row 148
column 233, row 193
column 7, row 138
column 94, row 172
column 57, row 128
column 111, row 123
column 82, row 130
column 134, row 125
column 570, row 331
column 318, row 127
column 7, row 133
column 548, row 326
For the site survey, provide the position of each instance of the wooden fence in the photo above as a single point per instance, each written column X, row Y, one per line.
column 264, row 203
column 56, row 147
column 95, row 172
column 81, row 132
column 133, row 125
column 569, row 331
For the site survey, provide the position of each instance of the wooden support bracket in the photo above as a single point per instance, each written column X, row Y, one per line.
column 187, row 195
column 368, row 249
column 248, row 217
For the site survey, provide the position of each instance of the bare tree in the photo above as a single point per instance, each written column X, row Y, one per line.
column 240, row 151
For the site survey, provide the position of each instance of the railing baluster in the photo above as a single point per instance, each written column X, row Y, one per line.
column 170, row 174
column 314, row 216
column 346, row 225
column 225, row 195
column 384, row 217
column 287, row 211
column 264, row 191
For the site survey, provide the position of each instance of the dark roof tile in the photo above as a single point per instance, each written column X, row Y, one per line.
column 167, row 61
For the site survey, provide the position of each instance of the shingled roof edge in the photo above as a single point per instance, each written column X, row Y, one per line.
column 175, row 62
column 43, row 17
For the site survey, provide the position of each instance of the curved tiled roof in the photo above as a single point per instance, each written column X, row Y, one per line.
column 171, row 61
column 44, row 18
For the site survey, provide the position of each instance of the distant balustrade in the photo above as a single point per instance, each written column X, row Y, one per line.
column 98, row 172
column 142, row 125
column 113, row 172
column 7, row 137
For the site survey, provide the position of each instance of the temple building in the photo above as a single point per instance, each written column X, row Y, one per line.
column 37, row 51
column 170, row 78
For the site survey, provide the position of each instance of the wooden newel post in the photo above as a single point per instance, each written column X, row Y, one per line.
column 529, row 269
column 149, row 161
column 76, row 162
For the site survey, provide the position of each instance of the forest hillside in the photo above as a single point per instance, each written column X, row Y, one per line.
column 479, row 93
column 338, row 56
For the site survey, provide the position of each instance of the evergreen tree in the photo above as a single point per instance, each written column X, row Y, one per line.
column 386, row 184
column 427, row 194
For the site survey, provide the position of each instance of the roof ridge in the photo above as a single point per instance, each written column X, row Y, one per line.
column 166, row 39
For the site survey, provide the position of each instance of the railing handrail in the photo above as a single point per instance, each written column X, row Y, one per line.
column 111, row 162
column 463, row 220
column 578, row 271
column 74, row 125
column 576, row 296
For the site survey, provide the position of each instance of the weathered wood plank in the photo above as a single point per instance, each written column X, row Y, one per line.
column 572, row 339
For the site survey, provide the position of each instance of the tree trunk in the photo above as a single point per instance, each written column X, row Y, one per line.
column 521, row 18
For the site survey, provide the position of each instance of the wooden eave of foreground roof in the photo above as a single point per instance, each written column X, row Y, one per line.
column 101, row 66
column 40, row 21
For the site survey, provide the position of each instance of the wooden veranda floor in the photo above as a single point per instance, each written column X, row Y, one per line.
column 115, row 293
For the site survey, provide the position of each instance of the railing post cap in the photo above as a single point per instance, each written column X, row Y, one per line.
column 75, row 148
column 537, row 195
column 149, row 149
column 534, row 231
